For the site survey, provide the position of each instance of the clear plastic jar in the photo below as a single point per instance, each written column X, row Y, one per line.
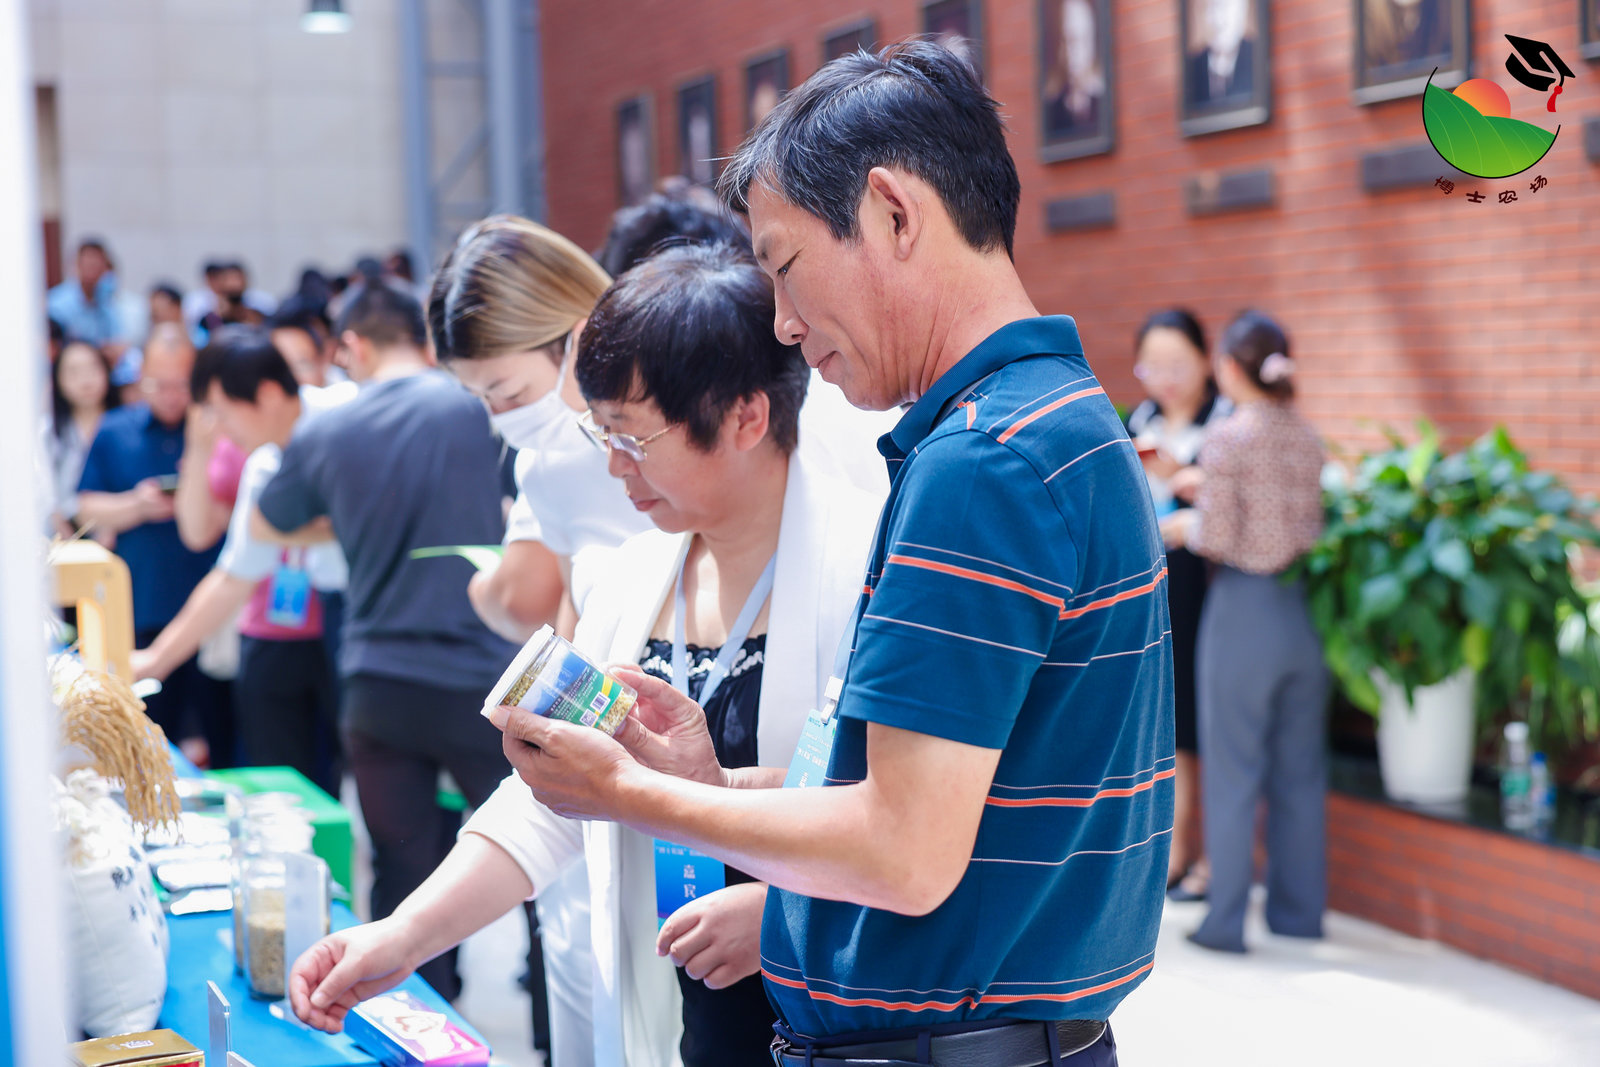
column 263, row 878
column 246, row 812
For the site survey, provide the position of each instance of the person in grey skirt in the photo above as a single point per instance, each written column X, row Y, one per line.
column 1262, row 683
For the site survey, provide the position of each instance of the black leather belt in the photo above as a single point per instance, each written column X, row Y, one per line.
column 1006, row 1045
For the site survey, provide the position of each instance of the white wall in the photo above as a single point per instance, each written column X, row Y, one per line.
column 195, row 129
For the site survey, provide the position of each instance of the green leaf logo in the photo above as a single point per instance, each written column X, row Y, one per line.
column 1486, row 146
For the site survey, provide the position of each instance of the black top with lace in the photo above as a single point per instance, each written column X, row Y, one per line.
column 729, row 1027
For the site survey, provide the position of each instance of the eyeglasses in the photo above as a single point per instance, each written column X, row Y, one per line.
column 626, row 443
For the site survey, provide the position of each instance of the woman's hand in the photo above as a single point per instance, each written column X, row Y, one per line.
column 717, row 938
column 666, row 731
column 1186, row 483
column 347, row 967
column 1175, row 528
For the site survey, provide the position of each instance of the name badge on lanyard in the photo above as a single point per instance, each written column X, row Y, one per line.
column 682, row 874
column 809, row 767
column 289, row 603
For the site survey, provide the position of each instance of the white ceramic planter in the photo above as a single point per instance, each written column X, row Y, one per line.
column 1425, row 750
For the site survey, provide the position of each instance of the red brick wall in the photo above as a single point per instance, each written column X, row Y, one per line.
column 1525, row 905
column 1400, row 304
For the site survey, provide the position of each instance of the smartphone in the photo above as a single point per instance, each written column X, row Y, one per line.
column 168, row 483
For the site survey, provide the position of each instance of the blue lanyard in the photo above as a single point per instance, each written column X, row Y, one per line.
column 736, row 636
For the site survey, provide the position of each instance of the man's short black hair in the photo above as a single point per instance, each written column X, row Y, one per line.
column 94, row 244
column 691, row 329
column 384, row 314
column 168, row 290
column 661, row 220
column 300, row 313
column 240, row 358
column 915, row 105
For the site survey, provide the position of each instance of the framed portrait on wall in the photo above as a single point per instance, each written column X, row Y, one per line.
column 1226, row 57
column 1589, row 28
column 766, row 79
column 857, row 36
column 1400, row 42
column 958, row 25
column 1076, row 90
column 697, row 130
column 635, row 150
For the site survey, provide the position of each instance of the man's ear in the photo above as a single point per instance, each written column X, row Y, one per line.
column 894, row 209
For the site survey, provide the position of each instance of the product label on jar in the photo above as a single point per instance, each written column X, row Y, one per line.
column 572, row 691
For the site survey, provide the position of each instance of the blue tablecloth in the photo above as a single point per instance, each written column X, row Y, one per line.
column 202, row 950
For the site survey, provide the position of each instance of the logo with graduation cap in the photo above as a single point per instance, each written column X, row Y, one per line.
column 1472, row 127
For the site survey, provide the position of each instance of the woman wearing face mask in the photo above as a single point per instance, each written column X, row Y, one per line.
column 506, row 308
column 740, row 597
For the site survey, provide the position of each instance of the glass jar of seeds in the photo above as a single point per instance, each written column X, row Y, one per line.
column 263, row 880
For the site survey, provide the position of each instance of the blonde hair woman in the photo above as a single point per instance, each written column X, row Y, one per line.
column 504, row 315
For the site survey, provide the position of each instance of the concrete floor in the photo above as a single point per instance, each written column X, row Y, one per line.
column 1366, row 995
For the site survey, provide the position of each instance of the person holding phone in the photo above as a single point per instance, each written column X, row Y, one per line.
column 123, row 497
column 1169, row 429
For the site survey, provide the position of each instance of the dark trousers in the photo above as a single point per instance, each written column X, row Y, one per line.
column 398, row 736
column 192, row 703
column 1263, row 705
column 286, row 702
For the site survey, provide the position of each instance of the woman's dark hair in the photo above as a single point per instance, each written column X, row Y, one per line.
column 691, row 329
column 60, row 407
column 1249, row 339
column 240, row 358
column 639, row 231
column 299, row 313
column 1180, row 319
column 915, row 105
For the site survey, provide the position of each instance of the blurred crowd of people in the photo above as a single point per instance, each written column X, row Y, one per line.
column 271, row 469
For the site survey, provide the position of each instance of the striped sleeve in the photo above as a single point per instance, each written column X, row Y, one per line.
column 973, row 586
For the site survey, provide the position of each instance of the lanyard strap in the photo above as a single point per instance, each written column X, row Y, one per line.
column 736, row 637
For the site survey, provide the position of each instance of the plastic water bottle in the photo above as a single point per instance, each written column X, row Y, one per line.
column 1541, row 795
column 1516, row 773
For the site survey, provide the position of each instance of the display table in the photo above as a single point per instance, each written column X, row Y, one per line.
column 202, row 950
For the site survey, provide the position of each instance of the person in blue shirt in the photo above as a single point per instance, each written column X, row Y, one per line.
column 980, row 876
column 125, row 497
column 88, row 306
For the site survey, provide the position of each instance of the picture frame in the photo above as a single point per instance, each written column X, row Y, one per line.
column 1589, row 29
column 1225, row 65
column 847, row 39
column 958, row 24
column 1399, row 43
column 766, row 80
column 636, row 156
column 697, row 130
column 1077, row 90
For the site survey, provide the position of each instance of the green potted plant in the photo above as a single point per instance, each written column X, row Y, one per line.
column 1446, row 595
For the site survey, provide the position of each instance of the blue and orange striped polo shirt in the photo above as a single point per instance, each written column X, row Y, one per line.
column 1016, row 600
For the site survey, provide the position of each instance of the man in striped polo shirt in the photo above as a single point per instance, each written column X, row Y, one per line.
column 981, row 882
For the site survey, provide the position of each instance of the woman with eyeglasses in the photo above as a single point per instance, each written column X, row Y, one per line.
column 740, row 598
column 1169, row 428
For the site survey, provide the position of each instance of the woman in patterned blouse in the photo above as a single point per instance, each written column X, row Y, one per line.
column 1263, row 686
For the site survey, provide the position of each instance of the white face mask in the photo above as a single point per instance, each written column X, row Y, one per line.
column 543, row 423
